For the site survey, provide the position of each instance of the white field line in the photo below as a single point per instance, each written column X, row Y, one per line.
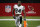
column 38, row 26
column 33, row 19
column 26, row 19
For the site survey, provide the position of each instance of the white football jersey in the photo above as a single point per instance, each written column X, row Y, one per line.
column 18, row 9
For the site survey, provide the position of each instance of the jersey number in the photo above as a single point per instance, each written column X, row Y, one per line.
column 18, row 10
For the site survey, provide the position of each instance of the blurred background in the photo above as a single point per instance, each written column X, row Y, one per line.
column 6, row 7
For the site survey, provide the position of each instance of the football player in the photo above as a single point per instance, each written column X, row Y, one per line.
column 18, row 13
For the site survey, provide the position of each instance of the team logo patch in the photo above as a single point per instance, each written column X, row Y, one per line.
column 8, row 8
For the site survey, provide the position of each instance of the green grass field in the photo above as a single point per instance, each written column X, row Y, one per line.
column 12, row 23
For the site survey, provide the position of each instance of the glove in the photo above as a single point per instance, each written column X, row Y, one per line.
column 14, row 17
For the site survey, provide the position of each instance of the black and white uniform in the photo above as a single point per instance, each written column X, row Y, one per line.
column 18, row 10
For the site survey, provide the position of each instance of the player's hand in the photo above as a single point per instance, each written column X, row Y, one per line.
column 14, row 17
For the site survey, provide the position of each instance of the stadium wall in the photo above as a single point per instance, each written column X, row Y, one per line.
column 35, row 12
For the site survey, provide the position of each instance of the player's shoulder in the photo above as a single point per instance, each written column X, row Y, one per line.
column 15, row 4
column 22, row 5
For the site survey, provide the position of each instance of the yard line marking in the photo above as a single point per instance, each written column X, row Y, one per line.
column 33, row 19
column 26, row 19
column 38, row 26
column 7, row 19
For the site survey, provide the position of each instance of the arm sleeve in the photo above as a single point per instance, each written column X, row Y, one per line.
column 14, row 6
column 23, row 8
